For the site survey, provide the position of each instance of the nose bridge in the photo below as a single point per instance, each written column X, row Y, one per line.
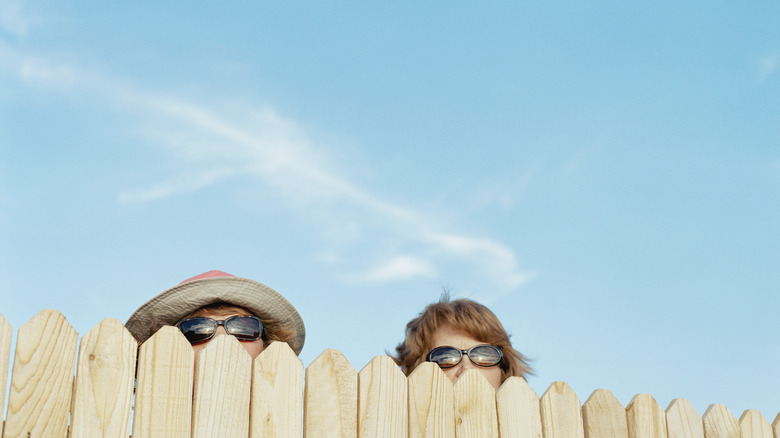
column 464, row 364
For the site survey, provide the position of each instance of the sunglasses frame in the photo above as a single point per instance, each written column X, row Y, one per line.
column 466, row 352
column 223, row 323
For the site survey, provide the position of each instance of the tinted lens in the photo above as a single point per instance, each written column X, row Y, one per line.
column 485, row 355
column 198, row 329
column 246, row 328
column 445, row 357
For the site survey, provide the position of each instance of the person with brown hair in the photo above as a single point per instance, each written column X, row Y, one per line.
column 459, row 335
column 218, row 303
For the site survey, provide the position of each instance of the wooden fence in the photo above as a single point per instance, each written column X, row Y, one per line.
column 226, row 394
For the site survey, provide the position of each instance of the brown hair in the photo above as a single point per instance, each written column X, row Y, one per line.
column 272, row 330
column 464, row 314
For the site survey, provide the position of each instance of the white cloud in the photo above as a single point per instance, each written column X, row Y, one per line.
column 398, row 268
column 768, row 65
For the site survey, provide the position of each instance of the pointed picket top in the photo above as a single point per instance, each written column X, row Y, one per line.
column 475, row 406
column 222, row 390
column 163, row 396
column 330, row 397
column 682, row 421
column 104, row 382
column 42, row 378
column 6, row 335
column 603, row 416
column 382, row 400
column 561, row 412
column 277, row 393
column 431, row 403
column 519, row 414
column 719, row 422
column 645, row 418
column 753, row 425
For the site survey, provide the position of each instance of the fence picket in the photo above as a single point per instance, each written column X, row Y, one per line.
column 475, row 406
column 561, row 412
column 645, row 418
column 104, row 382
column 163, row 398
column 720, row 423
column 6, row 334
column 776, row 426
column 519, row 414
column 753, row 425
column 682, row 421
column 42, row 377
column 222, row 390
column 382, row 400
column 603, row 416
column 431, row 403
column 277, row 393
column 330, row 397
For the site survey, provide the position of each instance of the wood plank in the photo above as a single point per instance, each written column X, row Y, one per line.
column 382, row 400
column 603, row 416
column 776, row 426
column 6, row 335
column 222, row 390
column 645, row 418
column 561, row 412
column 42, row 379
column 104, row 382
column 519, row 413
column 163, row 399
column 719, row 422
column 682, row 421
column 753, row 425
column 277, row 393
column 475, row 406
column 431, row 403
column 330, row 397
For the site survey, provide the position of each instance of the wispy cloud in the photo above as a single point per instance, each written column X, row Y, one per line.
column 12, row 20
column 768, row 65
column 212, row 144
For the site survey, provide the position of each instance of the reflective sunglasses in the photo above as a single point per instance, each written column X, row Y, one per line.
column 483, row 355
column 201, row 328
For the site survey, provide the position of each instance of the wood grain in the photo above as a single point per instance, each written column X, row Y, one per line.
column 475, row 406
column 330, row 397
column 519, row 413
column 561, row 412
column 753, row 425
column 645, row 418
column 431, row 403
column 603, row 416
column 6, row 335
column 104, row 382
column 277, row 393
column 42, row 379
column 720, row 423
column 382, row 400
column 163, row 399
column 682, row 421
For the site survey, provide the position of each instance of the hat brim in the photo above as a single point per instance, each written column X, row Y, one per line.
column 169, row 307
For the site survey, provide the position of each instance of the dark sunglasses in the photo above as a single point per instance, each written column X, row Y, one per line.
column 201, row 328
column 483, row 355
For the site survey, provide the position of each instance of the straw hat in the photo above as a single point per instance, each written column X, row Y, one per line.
column 211, row 287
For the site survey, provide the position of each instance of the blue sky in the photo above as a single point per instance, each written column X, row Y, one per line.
column 605, row 176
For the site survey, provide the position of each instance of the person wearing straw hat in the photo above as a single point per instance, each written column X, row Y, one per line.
column 218, row 303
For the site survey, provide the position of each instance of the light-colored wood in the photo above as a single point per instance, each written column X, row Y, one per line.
column 519, row 414
column 719, row 422
column 6, row 335
column 753, row 425
column 277, row 393
column 603, row 416
column 645, row 418
column 682, row 421
column 475, row 406
column 104, row 382
column 776, row 426
column 431, row 403
column 382, row 400
column 163, row 398
column 330, row 397
column 561, row 412
column 42, row 379
column 222, row 391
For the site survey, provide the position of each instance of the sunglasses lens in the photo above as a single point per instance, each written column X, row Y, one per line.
column 445, row 357
column 198, row 329
column 245, row 328
column 485, row 355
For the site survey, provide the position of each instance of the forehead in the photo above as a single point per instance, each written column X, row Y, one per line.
column 453, row 337
column 222, row 311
